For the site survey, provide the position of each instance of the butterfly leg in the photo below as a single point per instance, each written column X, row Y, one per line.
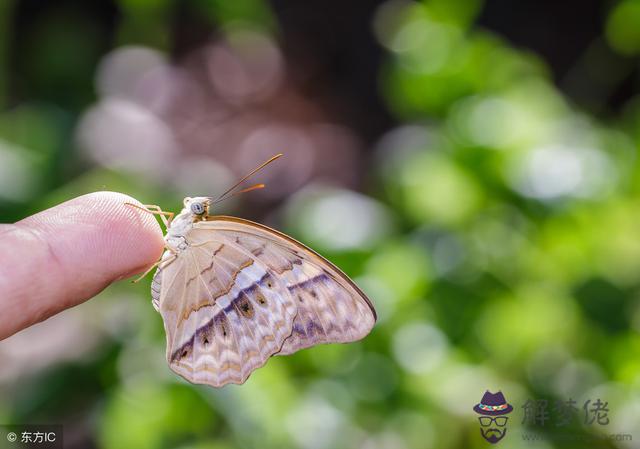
column 158, row 264
column 166, row 217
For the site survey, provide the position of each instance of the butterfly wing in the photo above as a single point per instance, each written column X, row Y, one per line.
column 246, row 292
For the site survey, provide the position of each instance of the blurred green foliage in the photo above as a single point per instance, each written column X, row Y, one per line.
column 509, row 259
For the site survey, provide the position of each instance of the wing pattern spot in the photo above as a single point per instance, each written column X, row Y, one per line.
column 261, row 299
column 244, row 306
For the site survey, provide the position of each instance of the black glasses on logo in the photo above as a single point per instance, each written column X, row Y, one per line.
column 485, row 421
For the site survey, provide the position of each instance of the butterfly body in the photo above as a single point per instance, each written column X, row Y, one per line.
column 182, row 223
column 233, row 293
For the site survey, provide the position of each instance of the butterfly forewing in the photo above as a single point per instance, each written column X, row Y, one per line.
column 242, row 292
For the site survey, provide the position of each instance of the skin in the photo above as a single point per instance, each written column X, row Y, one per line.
column 63, row 256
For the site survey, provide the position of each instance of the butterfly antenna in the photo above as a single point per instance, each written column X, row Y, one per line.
column 244, row 178
column 248, row 189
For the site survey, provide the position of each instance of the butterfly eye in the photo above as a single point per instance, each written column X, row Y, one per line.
column 197, row 208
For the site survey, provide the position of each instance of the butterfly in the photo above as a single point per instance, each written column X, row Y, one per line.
column 232, row 293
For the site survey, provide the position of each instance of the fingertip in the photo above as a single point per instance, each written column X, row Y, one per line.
column 62, row 256
column 98, row 231
column 134, row 239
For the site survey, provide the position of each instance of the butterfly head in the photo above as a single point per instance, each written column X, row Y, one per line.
column 198, row 206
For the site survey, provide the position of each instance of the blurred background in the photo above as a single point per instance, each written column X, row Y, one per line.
column 471, row 164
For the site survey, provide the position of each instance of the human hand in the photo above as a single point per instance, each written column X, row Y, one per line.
column 65, row 255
